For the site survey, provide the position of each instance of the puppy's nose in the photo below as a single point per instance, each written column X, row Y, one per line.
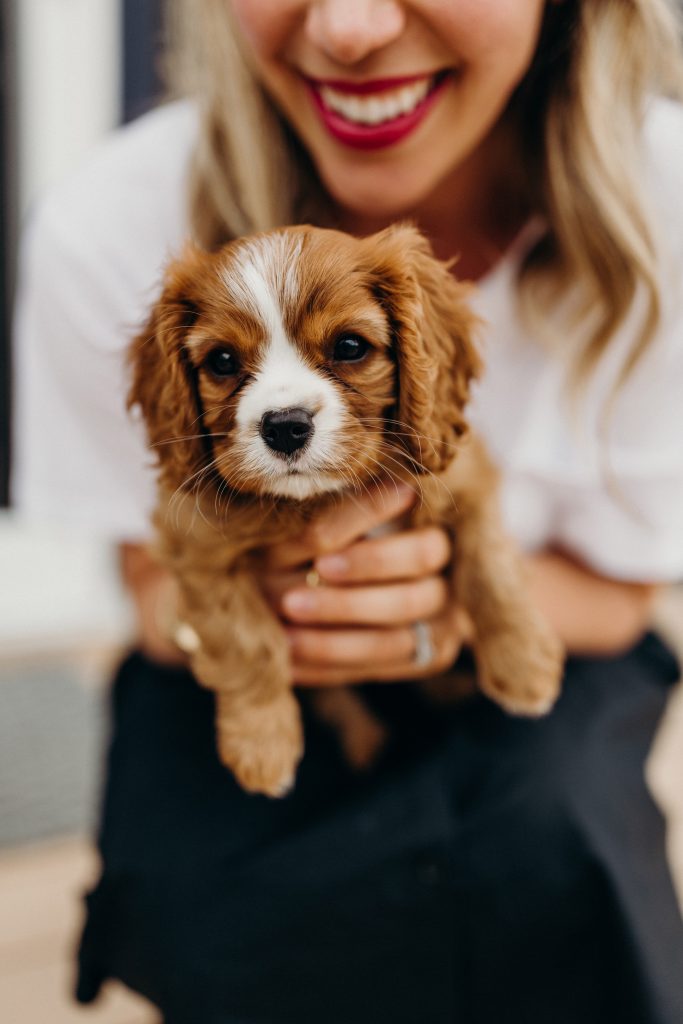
column 286, row 430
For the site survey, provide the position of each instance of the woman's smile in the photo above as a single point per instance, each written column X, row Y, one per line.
column 392, row 100
column 375, row 113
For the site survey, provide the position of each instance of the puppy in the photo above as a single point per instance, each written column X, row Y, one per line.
column 274, row 375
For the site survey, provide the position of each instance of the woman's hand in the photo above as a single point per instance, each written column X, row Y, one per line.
column 358, row 623
column 155, row 596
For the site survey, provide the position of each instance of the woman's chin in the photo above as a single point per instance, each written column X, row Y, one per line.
column 379, row 197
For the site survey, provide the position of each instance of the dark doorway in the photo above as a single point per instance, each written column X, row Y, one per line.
column 142, row 33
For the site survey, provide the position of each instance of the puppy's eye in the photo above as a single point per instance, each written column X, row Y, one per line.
column 350, row 348
column 221, row 363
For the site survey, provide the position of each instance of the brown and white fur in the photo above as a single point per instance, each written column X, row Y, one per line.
column 259, row 420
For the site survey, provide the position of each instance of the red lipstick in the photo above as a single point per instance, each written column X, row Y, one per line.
column 374, row 136
column 366, row 88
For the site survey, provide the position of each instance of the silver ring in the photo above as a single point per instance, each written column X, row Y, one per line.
column 424, row 644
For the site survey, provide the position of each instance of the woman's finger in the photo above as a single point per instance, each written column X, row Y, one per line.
column 276, row 584
column 344, row 648
column 333, row 658
column 407, row 555
column 401, row 556
column 354, row 517
column 389, row 605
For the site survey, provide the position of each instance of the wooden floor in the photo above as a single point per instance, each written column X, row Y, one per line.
column 40, row 889
column 41, row 886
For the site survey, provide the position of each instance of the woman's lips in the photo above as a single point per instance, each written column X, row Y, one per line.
column 373, row 85
column 377, row 113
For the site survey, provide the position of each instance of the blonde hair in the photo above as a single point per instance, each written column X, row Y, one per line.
column 579, row 113
column 249, row 172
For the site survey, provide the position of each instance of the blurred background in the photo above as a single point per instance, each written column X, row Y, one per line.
column 71, row 70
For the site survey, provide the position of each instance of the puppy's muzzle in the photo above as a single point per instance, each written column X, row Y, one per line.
column 286, row 430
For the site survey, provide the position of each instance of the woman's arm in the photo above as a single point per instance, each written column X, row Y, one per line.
column 154, row 596
column 592, row 614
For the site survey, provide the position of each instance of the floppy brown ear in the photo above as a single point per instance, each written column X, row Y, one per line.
column 434, row 330
column 162, row 378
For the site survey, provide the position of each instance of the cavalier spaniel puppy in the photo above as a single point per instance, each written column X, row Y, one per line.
column 275, row 374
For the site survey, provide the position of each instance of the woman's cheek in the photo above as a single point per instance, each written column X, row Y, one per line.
column 265, row 25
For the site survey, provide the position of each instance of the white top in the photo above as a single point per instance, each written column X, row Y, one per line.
column 91, row 267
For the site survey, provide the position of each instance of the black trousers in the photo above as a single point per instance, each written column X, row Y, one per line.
column 491, row 870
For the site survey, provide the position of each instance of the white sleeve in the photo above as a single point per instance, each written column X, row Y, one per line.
column 627, row 520
column 78, row 459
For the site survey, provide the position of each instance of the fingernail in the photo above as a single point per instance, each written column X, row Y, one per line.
column 332, row 565
column 299, row 602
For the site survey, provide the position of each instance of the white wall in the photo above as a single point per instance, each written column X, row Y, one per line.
column 60, row 593
column 68, row 55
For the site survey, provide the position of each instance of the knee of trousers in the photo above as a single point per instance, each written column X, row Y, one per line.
column 568, row 784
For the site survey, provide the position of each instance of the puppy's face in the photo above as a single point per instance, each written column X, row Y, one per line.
column 294, row 365
column 295, row 355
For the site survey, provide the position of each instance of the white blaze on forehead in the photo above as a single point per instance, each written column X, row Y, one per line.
column 263, row 279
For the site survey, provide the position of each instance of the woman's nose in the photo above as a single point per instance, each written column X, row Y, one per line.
column 347, row 31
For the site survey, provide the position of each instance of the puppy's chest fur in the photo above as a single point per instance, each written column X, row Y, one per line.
column 198, row 534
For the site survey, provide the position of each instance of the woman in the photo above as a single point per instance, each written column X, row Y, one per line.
column 488, row 869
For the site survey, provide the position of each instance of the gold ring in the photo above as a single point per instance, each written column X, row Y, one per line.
column 312, row 578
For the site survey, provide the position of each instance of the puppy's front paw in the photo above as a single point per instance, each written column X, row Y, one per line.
column 521, row 669
column 263, row 746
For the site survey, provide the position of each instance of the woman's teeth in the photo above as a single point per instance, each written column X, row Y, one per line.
column 376, row 108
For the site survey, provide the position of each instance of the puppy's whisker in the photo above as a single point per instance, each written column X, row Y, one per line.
column 186, row 437
column 226, row 487
column 390, row 457
column 385, row 471
column 176, row 497
column 197, row 480
column 421, row 472
column 417, row 437
column 359, row 484
column 414, row 436
column 411, row 431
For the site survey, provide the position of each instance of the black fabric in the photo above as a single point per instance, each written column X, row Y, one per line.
column 491, row 870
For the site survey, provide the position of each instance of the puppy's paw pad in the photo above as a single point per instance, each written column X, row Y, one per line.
column 534, row 695
column 521, row 669
column 259, row 771
column 285, row 789
column 263, row 747
column 522, row 704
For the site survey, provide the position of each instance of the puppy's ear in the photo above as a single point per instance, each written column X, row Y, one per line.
column 433, row 329
column 162, row 378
